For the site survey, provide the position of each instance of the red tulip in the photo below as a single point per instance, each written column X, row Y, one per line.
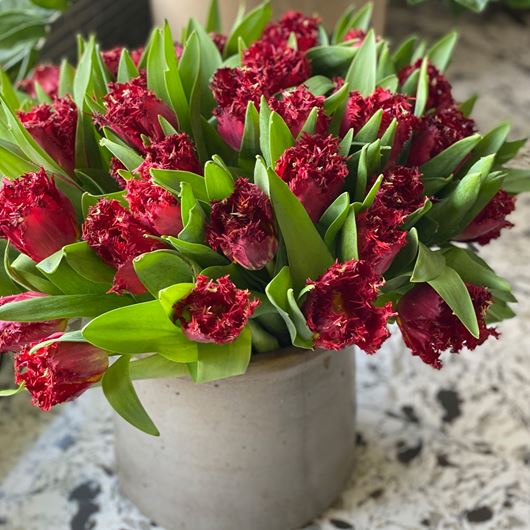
column 219, row 40
column 430, row 327
column 59, row 371
column 117, row 237
column 175, row 151
column 155, row 207
column 35, row 216
column 440, row 91
column 315, row 172
column 112, row 57
column 242, row 226
column 15, row 335
column 47, row 76
column 340, row 308
column 53, row 127
column 305, row 29
column 487, row 225
column 133, row 111
column 295, row 106
column 436, row 132
column 214, row 311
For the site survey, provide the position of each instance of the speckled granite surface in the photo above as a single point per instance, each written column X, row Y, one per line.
column 436, row 450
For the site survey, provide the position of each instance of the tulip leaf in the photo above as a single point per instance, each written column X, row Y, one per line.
column 429, row 265
column 444, row 163
column 140, row 328
column 422, row 92
column 12, row 163
column 7, row 285
column 87, row 263
column 440, row 52
column 280, row 137
column 351, row 19
column 361, row 75
column 454, row 292
column 509, row 150
column 319, row 85
column 160, row 269
column 249, row 28
column 298, row 318
column 516, row 180
column 120, row 393
column 337, row 100
column 310, row 123
column 348, row 242
column 219, row 361
column 333, row 219
column 156, row 367
column 369, row 132
column 219, row 182
column 330, row 61
column 213, row 19
column 88, row 200
column 202, row 254
column 24, row 271
column 277, row 292
column 169, row 296
column 8, row 392
column 126, row 68
column 8, row 91
column 62, row 306
column 264, row 129
column 126, row 155
column 171, row 179
column 250, row 142
column 308, row 255
column 403, row 55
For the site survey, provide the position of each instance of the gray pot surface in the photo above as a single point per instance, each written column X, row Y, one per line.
column 268, row 450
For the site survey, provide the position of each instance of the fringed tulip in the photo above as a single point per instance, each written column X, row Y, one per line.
column 304, row 28
column 59, row 371
column 242, row 226
column 132, row 110
column 15, row 335
column 430, row 327
column 214, row 311
column 53, row 126
column 35, row 216
column 314, row 171
column 487, row 225
column 340, row 309
column 154, row 206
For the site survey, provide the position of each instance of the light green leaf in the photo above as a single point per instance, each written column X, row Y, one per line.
column 219, row 182
column 348, row 242
column 170, row 180
column 429, row 265
column 361, row 75
column 440, row 52
column 280, row 137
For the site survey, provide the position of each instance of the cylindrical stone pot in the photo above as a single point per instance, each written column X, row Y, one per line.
column 268, row 450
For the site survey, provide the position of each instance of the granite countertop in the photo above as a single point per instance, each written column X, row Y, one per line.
column 441, row 450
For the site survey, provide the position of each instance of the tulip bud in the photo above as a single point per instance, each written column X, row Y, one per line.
column 53, row 127
column 314, row 171
column 15, row 335
column 59, row 371
column 133, row 111
column 340, row 309
column 47, row 76
column 305, row 29
column 429, row 326
column 155, row 207
column 295, row 106
column 214, row 311
column 35, row 216
column 175, row 151
column 117, row 237
column 487, row 225
column 440, row 91
column 242, row 226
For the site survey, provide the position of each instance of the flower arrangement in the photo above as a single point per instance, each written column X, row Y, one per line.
column 203, row 200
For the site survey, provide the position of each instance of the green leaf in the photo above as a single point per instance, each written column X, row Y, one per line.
column 337, row 100
column 310, row 123
column 369, row 131
column 119, row 391
column 24, row 271
column 140, row 328
column 429, row 265
column 454, row 292
column 213, row 19
column 249, row 29
column 8, row 91
column 509, row 150
column 62, row 306
column 126, row 155
column 126, row 68
column 171, row 180
column 516, row 180
column 88, row 200
column 7, row 285
column 156, row 367
column 466, row 108
column 319, row 85
column 448, row 160
column 308, row 255
column 169, row 296
column 333, row 219
column 160, row 269
column 87, row 263
column 193, row 216
column 202, row 254
column 361, row 75
column 403, row 55
column 440, row 52
column 422, row 92
column 348, row 242
column 280, row 137
column 12, row 164
column 219, row 361
column 219, row 182
column 262, row 341
column 330, row 61
column 250, row 141
column 190, row 63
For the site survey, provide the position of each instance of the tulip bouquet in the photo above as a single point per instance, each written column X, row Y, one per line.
column 199, row 201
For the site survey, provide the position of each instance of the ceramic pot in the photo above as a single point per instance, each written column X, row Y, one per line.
column 268, row 450
column 329, row 11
